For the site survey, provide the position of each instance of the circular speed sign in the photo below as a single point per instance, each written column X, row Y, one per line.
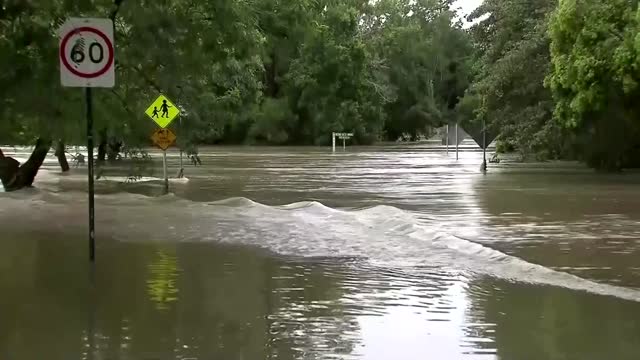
column 87, row 54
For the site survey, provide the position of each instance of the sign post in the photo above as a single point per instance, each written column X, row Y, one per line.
column 181, row 171
column 447, row 141
column 163, row 111
column 87, row 59
column 484, row 146
column 457, row 141
column 164, row 171
column 92, row 205
column 343, row 136
column 164, row 138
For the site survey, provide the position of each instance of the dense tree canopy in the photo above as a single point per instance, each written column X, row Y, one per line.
column 552, row 79
column 512, row 62
column 559, row 79
column 253, row 71
column 595, row 77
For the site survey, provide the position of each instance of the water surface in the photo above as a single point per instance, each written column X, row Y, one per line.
column 297, row 253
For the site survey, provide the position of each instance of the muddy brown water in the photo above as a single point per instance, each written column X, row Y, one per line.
column 396, row 252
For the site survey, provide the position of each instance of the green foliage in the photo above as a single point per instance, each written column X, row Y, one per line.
column 243, row 71
column 271, row 122
column 594, row 78
column 425, row 61
column 512, row 62
column 552, row 79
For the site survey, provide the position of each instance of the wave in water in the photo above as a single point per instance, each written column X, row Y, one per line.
column 383, row 235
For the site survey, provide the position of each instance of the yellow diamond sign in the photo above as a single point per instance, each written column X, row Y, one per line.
column 163, row 138
column 162, row 111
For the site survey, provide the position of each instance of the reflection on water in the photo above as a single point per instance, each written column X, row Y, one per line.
column 161, row 284
column 366, row 255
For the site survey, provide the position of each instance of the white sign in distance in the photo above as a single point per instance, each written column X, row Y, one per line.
column 344, row 136
column 87, row 53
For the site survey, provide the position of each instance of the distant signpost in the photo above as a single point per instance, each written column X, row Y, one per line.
column 162, row 111
column 87, row 57
column 343, row 136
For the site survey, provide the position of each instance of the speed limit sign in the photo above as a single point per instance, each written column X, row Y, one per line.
column 87, row 53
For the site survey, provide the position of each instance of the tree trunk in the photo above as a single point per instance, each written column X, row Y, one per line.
column 62, row 157
column 14, row 176
column 270, row 75
column 113, row 150
column 8, row 170
column 102, row 147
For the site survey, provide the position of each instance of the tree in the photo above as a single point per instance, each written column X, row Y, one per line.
column 242, row 71
column 159, row 46
column 424, row 55
column 512, row 61
column 594, row 78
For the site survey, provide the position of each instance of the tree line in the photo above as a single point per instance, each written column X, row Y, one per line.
column 559, row 79
column 550, row 79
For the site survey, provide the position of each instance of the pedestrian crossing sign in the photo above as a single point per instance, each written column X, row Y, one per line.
column 162, row 111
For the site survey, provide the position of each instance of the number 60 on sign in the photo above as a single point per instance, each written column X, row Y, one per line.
column 87, row 53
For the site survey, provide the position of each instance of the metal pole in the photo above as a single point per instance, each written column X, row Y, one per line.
column 447, row 141
column 484, row 146
column 181, row 166
column 344, row 144
column 457, row 141
column 333, row 141
column 484, row 134
column 181, row 171
column 164, row 167
column 92, row 233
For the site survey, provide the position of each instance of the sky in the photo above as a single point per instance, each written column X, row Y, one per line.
column 468, row 5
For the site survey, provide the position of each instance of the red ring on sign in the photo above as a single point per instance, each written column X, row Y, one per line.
column 104, row 37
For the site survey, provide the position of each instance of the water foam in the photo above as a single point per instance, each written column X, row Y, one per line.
column 381, row 234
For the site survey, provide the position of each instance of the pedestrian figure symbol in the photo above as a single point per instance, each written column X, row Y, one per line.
column 162, row 111
column 165, row 109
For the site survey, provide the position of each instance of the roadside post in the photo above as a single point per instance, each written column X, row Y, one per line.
column 87, row 57
column 484, row 146
column 447, row 141
column 162, row 111
column 457, row 141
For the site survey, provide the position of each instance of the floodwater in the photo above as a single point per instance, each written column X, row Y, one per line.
column 378, row 253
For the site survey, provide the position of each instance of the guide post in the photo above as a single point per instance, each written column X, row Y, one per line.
column 457, row 141
column 87, row 59
column 447, row 141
